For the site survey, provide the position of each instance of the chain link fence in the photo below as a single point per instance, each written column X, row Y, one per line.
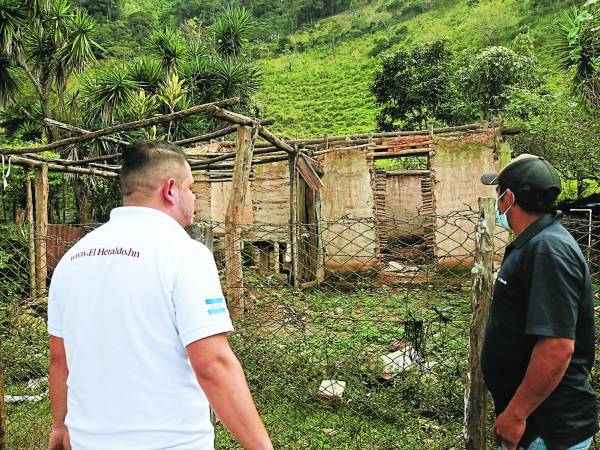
column 353, row 335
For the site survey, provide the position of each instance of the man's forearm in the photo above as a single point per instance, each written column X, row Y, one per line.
column 58, row 392
column 227, row 391
column 548, row 364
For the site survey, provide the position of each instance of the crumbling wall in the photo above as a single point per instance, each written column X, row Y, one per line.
column 350, row 245
column 457, row 166
column 403, row 203
column 271, row 201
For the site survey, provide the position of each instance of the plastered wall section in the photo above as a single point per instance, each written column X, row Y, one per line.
column 457, row 167
column 350, row 245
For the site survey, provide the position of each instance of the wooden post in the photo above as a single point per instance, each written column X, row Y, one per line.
column 275, row 257
column 41, row 227
column 31, row 236
column 294, row 217
column 234, row 278
column 475, row 391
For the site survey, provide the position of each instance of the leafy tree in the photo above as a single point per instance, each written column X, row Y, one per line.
column 416, row 87
column 559, row 128
column 109, row 9
column 492, row 73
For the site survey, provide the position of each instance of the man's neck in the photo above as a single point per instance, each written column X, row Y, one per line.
column 522, row 220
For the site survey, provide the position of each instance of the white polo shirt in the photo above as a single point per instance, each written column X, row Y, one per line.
column 127, row 299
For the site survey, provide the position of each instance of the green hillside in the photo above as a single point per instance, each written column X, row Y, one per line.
column 321, row 86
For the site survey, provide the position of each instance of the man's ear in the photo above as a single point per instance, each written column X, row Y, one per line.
column 167, row 191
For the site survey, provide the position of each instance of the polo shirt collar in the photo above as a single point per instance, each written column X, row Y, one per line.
column 141, row 213
column 537, row 226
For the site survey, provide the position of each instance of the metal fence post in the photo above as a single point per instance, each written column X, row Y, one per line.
column 475, row 391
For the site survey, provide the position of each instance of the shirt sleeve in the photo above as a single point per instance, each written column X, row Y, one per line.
column 200, row 308
column 55, row 315
column 555, row 291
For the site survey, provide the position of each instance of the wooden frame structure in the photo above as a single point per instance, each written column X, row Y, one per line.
column 254, row 145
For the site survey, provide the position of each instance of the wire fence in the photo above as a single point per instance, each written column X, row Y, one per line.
column 353, row 334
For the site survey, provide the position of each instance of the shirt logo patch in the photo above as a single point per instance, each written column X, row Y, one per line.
column 503, row 281
column 215, row 305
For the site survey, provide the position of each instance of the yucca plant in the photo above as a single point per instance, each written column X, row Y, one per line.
column 234, row 78
column 148, row 73
column 231, row 30
column 8, row 83
column 107, row 91
column 29, row 131
column 168, row 46
column 171, row 95
column 48, row 40
column 13, row 15
column 141, row 106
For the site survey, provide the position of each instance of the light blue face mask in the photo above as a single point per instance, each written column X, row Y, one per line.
column 501, row 218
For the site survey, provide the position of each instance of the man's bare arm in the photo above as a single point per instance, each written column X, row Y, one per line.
column 547, row 365
column 222, row 379
column 59, row 436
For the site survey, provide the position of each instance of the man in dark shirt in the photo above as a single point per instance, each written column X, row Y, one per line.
column 539, row 343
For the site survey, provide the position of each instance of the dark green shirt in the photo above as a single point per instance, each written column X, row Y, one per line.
column 544, row 288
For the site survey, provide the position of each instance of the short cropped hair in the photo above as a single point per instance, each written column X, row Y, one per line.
column 533, row 202
column 143, row 163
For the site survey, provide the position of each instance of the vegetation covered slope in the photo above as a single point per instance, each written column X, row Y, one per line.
column 320, row 83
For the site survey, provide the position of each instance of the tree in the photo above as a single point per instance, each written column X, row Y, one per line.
column 46, row 40
column 559, row 128
column 577, row 46
column 417, row 87
column 231, row 30
column 490, row 76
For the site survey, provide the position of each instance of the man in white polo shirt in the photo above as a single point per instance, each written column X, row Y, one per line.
column 139, row 325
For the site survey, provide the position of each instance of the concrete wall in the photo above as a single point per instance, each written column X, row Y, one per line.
column 350, row 246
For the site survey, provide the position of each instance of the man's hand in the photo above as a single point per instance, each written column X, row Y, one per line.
column 59, row 438
column 508, row 430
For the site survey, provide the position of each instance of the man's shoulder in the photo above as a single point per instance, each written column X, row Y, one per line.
column 555, row 240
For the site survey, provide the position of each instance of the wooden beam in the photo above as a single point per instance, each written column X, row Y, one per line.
column 392, row 173
column 77, row 130
column 308, row 173
column 266, row 134
column 365, row 138
column 121, row 127
column 234, row 277
column 292, row 164
column 30, row 235
column 206, row 137
column 41, row 227
column 20, row 161
column 483, row 280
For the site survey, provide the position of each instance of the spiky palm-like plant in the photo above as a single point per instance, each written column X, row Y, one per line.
column 234, row 78
column 168, row 46
column 231, row 30
column 48, row 40
column 107, row 91
column 8, row 83
column 148, row 73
